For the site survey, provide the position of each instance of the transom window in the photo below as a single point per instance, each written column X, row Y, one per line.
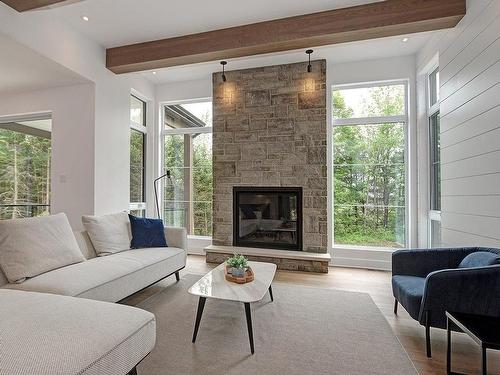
column 369, row 169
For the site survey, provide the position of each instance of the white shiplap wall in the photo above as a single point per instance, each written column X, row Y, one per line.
column 469, row 59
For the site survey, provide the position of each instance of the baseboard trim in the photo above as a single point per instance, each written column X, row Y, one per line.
column 362, row 257
column 374, row 264
column 197, row 244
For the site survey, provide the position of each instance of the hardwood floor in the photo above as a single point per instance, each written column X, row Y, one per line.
column 466, row 354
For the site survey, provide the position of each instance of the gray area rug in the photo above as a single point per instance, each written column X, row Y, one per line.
column 304, row 331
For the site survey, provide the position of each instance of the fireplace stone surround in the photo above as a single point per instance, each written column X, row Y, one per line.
column 270, row 130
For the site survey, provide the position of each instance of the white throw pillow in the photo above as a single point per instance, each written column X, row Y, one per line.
column 109, row 234
column 32, row 246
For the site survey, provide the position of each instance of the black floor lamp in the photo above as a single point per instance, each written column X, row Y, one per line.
column 168, row 175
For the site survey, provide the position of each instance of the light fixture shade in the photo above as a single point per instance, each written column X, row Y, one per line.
column 309, row 66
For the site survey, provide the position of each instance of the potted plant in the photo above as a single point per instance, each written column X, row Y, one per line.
column 238, row 264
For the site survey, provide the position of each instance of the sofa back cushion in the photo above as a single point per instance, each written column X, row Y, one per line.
column 3, row 278
column 109, row 234
column 32, row 246
column 480, row 259
column 85, row 244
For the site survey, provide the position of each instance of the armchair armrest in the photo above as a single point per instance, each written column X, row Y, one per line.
column 421, row 262
column 176, row 237
column 465, row 290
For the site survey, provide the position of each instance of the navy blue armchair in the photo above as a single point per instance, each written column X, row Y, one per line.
column 428, row 282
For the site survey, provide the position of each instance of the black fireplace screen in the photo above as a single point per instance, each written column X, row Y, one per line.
column 267, row 217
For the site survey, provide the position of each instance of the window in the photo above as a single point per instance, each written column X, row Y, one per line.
column 369, row 169
column 434, row 160
column 138, row 131
column 435, row 166
column 187, row 155
column 434, row 88
column 25, row 150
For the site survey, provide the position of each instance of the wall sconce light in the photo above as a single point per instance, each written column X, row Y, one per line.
column 223, row 63
column 309, row 66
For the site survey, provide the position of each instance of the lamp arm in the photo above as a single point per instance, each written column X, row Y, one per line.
column 155, row 183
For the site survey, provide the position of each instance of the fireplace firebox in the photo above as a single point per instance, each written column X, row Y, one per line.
column 268, row 217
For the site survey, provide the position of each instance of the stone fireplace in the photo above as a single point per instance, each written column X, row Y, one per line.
column 269, row 131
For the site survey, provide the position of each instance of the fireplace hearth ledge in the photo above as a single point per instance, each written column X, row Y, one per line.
column 285, row 260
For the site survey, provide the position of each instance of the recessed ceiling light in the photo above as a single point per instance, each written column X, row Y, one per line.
column 85, row 18
column 404, row 40
column 154, row 73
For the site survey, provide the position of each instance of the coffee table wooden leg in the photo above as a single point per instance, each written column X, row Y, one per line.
column 271, row 293
column 199, row 313
column 248, row 313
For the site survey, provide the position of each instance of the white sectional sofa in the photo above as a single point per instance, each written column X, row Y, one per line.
column 113, row 277
column 44, row 329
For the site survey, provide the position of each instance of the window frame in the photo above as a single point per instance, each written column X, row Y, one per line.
column 182, row 131
column 401, row 119
column 141, row 128
column 432, row 110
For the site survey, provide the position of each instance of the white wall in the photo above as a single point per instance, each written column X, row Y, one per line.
column 110, row 128
column 469, row 58
column 72, row 160
column 186, row 90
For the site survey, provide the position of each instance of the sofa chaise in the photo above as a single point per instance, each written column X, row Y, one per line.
column 47, row 334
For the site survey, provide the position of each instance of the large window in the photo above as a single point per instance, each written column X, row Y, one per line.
column 369, row 169
column 25, row 149
column 138, row 131
column 434, row 159
column 187, row 157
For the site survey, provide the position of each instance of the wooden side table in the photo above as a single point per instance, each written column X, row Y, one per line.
column 484, row 330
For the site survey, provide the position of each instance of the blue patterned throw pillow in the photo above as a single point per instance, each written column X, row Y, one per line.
column 147, row 233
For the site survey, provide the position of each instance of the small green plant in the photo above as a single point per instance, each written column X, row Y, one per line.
column 237, row 261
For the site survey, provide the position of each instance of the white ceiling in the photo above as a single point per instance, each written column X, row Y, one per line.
column 339, row 53
column 22, row 69
column 114, row 23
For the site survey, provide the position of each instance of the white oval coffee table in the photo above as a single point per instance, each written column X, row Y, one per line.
column 214, row 285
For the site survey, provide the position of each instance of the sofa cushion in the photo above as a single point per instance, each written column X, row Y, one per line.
column 48, row 334
column 147, row 232
column 32, row 246
column 109, row 234
column 409, row 290
column 85, row 244
column 480, row 259
column 109, row 278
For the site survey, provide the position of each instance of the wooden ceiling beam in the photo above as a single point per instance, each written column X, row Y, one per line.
column 25, row 5
column 374, row 20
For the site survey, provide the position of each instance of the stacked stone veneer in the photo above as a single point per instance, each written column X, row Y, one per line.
column 269, row 129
